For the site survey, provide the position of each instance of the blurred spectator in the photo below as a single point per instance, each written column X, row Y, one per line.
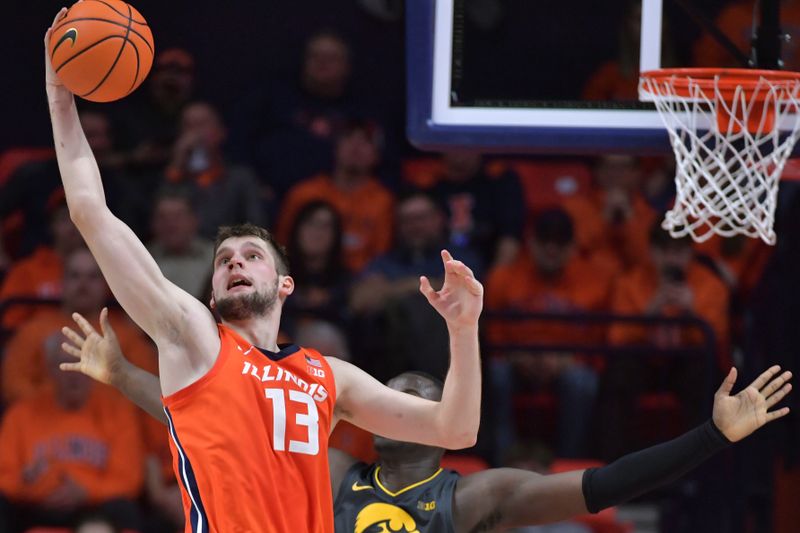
column 671, row 285
column 290, row 127
column 618, row 79
column 658, row 182
column 317, row 263
column 222, row 194
column 95, row 523
column 738, row 261
column 550, row 278
column 736, row 21
column 486, row 210
column 40, row 275
column 149, row 121
column 84, row 291
column 612, row 220
column 34, row 188
column 389, row 311
column 183, row 257
column 363, row 203
column 328, row 339
column 69, row 449
column 325, row 337
column 5, row 261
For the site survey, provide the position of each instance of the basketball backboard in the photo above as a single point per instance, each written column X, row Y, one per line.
column 539, row 77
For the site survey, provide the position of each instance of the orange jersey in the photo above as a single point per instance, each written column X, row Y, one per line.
column 250, row 441
column 367, row 213
column 24, row 371
column 617, row 248
column 518, row 286
column 613, row 82
column 97, row 446
column 36, row 276
column 634, row 292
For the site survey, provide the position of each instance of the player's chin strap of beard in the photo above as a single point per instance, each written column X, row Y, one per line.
column 642, row 471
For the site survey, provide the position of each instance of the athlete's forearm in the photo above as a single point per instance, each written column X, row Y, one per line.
column 140, row 387
column 645, row 470
column 460, row 409
column 76, row 163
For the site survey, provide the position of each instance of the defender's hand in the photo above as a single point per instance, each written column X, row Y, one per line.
column 739, row 416
column 100, row 358
column 460, row 299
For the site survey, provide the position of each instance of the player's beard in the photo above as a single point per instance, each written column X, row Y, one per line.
column 255, row 304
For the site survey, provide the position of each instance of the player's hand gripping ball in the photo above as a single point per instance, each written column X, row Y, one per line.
column 101, row 50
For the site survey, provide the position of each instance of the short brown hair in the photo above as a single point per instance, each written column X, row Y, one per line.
column 251, row 230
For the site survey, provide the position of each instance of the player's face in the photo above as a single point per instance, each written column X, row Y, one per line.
column 245, row 282
column 418, row 386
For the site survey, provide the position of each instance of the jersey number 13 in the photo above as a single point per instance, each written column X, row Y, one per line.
column 309, row 419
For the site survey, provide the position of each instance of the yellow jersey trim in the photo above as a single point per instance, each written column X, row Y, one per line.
column 401, row 491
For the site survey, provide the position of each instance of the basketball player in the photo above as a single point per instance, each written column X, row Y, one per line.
column 249, row 420
column 407, row 490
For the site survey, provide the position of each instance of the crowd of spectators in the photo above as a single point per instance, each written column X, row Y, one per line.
column 591, row 308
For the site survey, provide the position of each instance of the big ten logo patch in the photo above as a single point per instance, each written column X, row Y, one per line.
column 426, row 506
column 314, row 367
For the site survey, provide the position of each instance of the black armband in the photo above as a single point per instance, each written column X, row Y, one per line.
column 642, row 471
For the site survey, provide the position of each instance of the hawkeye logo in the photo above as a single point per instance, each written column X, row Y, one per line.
column 71, row 34
column 384, row 518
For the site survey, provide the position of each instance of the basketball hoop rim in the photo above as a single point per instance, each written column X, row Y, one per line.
column 725, row 81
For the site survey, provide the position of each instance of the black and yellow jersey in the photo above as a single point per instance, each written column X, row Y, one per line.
column 364, row 505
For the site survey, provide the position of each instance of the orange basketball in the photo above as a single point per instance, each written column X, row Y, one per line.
column 102, row 49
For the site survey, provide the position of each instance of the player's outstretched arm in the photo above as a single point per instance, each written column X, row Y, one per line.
column 507, row 497
column 156, row 305
column 451, row 423
column 100, row 357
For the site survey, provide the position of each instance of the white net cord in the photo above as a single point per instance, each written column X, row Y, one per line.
column 727, row 172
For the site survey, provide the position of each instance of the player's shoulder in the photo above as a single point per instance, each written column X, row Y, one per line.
column 336, row 364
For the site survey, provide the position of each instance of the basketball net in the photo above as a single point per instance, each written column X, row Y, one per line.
column 731, row 136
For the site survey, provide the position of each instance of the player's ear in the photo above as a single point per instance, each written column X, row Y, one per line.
column 212, row 303
column 285, row 286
